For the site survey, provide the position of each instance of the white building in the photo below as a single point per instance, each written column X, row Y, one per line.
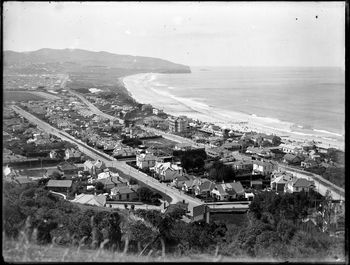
column 263, row 167
column 145, row 160
column 167, row 171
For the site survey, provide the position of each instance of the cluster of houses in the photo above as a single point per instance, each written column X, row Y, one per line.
column 282, row 181
column 31, row 81
column 176, row 176
column 114, row 186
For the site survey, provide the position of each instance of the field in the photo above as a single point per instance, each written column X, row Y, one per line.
column 158, row 142
column 21, row 96
column 44, row 95
column 28, row 96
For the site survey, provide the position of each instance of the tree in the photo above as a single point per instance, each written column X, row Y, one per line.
column 133, row 181
column 56, row 175
column 276, row 141
column 145, row 194
column 99, row 186
column 198, row 162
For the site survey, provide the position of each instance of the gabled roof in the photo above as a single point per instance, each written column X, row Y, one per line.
column 111, row 180
column 302, row 182
column 184, row 178
column 283, row 178
column 67, row 166
column 123, row 190
column 263, row 163
column 237, row 187
column 292, row 158
column 88, row 164
column 107, row 174
column 207, row 186
column 146, row 157
column 99, row 200
column 59, row 183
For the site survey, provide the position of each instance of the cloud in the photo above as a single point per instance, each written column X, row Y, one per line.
column 127, row 32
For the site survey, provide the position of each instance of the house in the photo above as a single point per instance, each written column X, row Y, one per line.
column 241, row 165
column 53, row 154
column 106, row 173
column 90, row 199
column 203, row 188
column 157, row 111
column 322, row 148
column 256, row 184
column 153, row 121
column 279, row 179
column 124, row 193
column 145, row 160
column 179, row 181
column 167, row 171
column 227, row 191
column 126, row 151
column 71, row 153
column 314, row 155
column 67, row 168
column 59, row 185
column 263, row 167
column 299, row 184
column 112, row 181
column 308, row 162
column 94, row 167
column 260, row 151
column 189, row 185
column 23, row 180
column 232, row 146
column 291, row 148
column 183, row 146
column 291, row 159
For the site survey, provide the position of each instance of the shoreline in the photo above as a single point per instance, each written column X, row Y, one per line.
column 233, row 120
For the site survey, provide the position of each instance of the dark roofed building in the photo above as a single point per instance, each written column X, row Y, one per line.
column 59, row 185
column 124, row 193
column 67, row 168
column 292, row 159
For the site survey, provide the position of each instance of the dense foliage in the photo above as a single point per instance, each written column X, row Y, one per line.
column 219, row 172
column 273, row 228
column 192, row 160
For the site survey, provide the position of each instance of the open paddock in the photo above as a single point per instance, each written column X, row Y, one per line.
column 44, row 95
column 21, row 96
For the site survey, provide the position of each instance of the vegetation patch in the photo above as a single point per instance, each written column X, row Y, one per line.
column 21, row 96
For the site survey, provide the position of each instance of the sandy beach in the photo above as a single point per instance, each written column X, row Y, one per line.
column 140, row 89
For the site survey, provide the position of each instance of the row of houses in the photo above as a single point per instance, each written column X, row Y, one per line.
column 282, row 181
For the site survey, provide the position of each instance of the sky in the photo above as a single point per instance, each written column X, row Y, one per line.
column 190, row 33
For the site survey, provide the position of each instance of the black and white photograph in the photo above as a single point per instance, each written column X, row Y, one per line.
column 174, row 131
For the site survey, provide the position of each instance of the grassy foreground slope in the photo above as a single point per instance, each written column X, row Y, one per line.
column 17, row 251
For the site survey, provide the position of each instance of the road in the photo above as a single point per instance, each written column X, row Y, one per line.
column 93, row 108
column 173, row 193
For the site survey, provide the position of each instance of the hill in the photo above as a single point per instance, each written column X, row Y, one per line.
column 74, row 58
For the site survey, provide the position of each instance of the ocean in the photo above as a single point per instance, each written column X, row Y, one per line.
column 299, row 100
